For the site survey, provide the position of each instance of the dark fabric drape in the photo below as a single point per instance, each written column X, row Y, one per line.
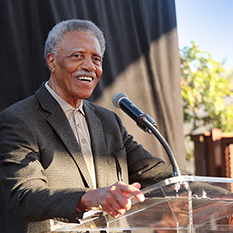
column 129, row 27
column 141, row 59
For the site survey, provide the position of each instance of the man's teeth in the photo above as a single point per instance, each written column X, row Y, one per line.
column 87, row 79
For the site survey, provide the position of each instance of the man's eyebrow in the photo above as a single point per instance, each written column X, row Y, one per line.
column 77, row 50
column 81, row 50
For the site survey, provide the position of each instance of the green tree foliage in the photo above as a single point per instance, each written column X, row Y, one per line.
column 204, row 90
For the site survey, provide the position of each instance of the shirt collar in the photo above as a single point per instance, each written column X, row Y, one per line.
column 64, row 105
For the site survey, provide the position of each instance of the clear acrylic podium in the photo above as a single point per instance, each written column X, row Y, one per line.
column 201, row 204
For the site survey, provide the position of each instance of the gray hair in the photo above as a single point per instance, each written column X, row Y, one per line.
column 57, row 33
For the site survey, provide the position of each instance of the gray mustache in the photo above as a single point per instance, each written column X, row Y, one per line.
column 85, row 73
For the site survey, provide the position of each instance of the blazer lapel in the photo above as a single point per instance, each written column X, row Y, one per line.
column 98, row 145
column 60, row 124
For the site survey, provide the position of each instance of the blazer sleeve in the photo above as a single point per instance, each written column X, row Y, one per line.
column 23, row 176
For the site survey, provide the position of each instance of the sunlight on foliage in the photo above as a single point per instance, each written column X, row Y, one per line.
column 204, row 90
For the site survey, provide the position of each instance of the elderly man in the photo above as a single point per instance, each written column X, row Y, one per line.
column 61, row 155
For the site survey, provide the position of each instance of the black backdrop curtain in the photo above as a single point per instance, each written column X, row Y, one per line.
column 141, row 59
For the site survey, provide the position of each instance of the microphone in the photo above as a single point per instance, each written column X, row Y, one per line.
column 146, row 123
column 120, row 100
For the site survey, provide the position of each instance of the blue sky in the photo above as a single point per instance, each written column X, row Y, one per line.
column 210, row 24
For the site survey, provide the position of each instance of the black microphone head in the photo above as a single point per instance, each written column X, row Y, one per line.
column 117, row 98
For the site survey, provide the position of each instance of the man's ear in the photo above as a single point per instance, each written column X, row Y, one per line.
column 50, row 62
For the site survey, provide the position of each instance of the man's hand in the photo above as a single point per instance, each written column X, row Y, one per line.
column 113, row 199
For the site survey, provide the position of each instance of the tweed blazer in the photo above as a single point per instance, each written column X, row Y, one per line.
column 43, row 169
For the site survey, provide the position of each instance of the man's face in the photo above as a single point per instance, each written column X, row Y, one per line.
column 77, row 67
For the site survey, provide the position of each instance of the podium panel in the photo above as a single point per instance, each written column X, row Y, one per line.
column 179, row 204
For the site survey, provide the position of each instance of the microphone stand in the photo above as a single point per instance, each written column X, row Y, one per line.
column 153, row 128
column 147, row 124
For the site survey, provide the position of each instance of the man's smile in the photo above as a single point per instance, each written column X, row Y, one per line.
column 85, row 78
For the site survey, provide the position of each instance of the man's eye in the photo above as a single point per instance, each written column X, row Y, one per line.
column 76, row 55
column 97, row 59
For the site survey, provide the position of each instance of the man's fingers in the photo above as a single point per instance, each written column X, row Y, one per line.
column 114, row 199
column 141, row 196
column 110, row 210
column 136, row 185
column 134, row 191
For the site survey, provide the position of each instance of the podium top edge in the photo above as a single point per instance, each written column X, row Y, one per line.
column 186, row 178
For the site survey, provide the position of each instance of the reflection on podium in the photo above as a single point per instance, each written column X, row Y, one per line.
column 202, row 204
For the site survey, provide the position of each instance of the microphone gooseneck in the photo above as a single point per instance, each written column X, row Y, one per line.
column 146, row 123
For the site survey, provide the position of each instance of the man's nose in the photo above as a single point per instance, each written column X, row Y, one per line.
column 88, row 64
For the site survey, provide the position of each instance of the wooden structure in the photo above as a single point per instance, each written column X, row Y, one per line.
column 213, row 153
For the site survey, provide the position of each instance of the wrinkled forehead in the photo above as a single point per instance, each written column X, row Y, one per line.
column 80, row 41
